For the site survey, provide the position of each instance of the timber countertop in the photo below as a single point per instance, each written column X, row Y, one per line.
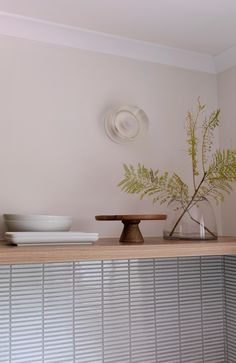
column 111, row 248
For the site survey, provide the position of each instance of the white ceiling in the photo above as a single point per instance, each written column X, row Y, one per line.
column 206, row 26
column 191, row 34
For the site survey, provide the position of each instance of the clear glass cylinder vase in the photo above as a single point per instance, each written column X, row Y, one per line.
column 193, row 222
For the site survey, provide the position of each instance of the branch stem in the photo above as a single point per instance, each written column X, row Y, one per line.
column 206, row 229
column 188, row 205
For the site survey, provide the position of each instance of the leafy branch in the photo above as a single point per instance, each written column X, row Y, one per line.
column 192, row 140
column 147, row 182
column 212, row 178
column 208, row 128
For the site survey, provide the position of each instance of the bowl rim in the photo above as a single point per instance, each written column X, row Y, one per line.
column 35, row 217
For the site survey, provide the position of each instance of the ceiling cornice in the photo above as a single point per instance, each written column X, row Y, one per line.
column 225, row 60
column 54, row 33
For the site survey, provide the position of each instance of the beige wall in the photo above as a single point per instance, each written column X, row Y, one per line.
column 54, row 155
column 227, row 104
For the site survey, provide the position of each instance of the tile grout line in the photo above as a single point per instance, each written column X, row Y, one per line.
column 130, row 325
column 179, row 309
column 155, row 311
column 73, row 309
column 10, row 315
column 102, row 302
column 202, row 315
column 43, row 313
column 224, row 293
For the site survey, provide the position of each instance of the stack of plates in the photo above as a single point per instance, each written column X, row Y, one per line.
column 50, row 238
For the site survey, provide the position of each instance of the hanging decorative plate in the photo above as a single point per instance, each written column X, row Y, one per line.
column 126, row 123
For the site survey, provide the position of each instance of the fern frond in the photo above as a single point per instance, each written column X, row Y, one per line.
column 177, row 189
column 192, row 141
column 220, row 175
column 147, row 182
column 208, row 128
column 138, row 179
column 223, row 166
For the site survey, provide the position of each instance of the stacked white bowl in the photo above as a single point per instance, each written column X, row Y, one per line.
column 37, row 223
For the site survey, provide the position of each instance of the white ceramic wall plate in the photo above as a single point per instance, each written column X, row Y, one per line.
column 126, row 123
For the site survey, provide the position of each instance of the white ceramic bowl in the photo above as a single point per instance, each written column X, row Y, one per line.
column 37, row 223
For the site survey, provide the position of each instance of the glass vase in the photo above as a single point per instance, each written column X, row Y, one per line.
column 196, row 221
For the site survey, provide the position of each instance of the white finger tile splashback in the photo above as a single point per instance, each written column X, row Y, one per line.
column 122, row 311
column 230, row 308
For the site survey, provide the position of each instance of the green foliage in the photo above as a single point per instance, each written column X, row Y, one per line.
column 147, row 182
column 220, row 175
column 208, row 129
column 143, row 181
column 213, row 173
column 192, row 140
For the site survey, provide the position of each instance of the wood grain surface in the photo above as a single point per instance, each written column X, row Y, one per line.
column 111, row 248
column 130, row 217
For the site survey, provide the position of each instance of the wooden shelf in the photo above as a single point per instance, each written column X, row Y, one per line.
column 110, row 248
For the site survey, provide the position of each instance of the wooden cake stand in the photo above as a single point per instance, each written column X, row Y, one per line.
column 131, row 231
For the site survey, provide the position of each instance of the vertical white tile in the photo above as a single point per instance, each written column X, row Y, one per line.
column 58, row 313
column 167, row 311
column 116, row 325
column 230, row 307
column 26, row 313
column 142, row 311
column 190, row 310
column 88, row 312
column 5, row 312
column 212, row 309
